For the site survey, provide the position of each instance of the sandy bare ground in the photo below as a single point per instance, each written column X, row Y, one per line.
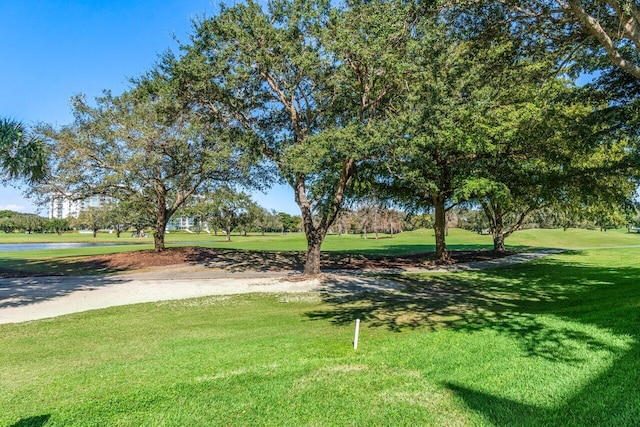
column 33, row 298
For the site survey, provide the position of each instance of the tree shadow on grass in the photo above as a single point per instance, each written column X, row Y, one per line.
column 510, row 301
column 518, row 302
column 235, row 260
column 12, row 268
column 231, row 260
column 245, row 260
column 392, row 249
column 35, row 421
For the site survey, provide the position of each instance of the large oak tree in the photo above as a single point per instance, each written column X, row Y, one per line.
column 310, row 84
column 143, row 149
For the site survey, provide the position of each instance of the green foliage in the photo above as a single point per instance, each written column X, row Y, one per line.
column 267, row 221
column 473, row 220
column 93, row 219
column 7, row 224
column 603, row 34
column 22, row 154
column 308, row 84
column 289, row 222
column 227, row 209
column 58, row 225
column 431, row 103
column 468, row 99
column 491, row 118
column 11, row 221
column 143, row 149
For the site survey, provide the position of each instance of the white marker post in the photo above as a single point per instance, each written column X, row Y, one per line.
column 355, row 339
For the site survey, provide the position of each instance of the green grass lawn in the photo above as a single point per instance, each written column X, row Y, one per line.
column 408, row 242
column 555, row 342
column 572, row 238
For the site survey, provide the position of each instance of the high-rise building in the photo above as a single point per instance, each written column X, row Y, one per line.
column 65, row 207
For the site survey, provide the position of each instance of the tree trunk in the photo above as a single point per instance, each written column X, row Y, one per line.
column 158, row 236
column 497, row 230
column 158, row 240
column 498, row 234
column 439, row 227
column 315, row 233
column 95, row 233
column 498, row 243
column 312, row 263
column 162, row 218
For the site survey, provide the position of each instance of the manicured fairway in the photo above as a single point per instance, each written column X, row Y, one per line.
column 418, row 239
column 555, row 342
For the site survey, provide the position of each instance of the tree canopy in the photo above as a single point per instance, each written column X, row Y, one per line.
column 309, row 84
column 429, row 104
column 143, row 149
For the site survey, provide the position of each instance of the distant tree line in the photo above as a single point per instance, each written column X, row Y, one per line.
column 11, row 222
column 227, row 210
column 231, row 217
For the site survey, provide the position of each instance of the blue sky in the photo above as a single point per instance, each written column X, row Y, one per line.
column 53, row 49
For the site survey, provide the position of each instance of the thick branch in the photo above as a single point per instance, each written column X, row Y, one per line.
column 347, row 172
column 519, row 222
column 591, row 25
column 629, row 25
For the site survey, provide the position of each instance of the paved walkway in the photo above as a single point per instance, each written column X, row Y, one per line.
column 33, row 298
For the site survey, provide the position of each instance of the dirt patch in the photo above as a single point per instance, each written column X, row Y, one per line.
column 148, row 258
column 238, row 261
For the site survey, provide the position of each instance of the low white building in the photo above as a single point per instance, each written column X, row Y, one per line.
column 61, row 207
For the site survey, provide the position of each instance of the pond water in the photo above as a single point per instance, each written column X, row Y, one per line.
column 12, row 247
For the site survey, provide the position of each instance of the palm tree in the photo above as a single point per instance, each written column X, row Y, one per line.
column 22, row 155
